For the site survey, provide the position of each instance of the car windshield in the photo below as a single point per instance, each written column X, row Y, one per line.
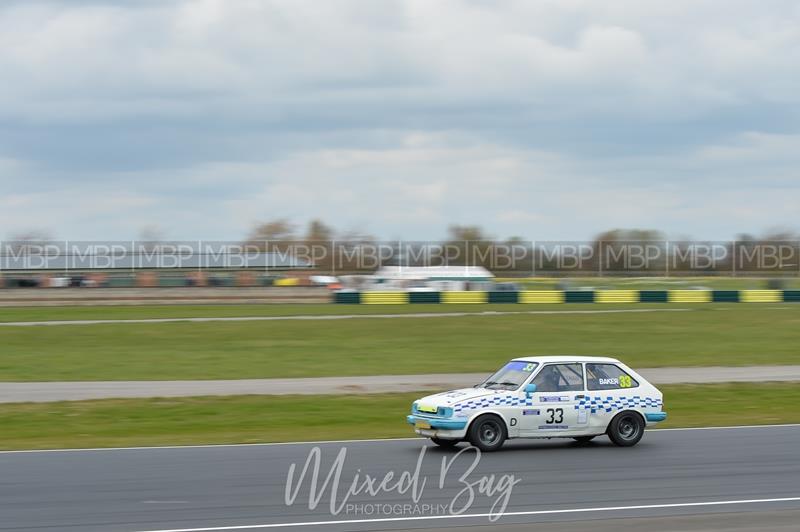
column 509, row 377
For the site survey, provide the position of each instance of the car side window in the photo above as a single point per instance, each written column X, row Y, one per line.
column 559, row 378
column 608, row 377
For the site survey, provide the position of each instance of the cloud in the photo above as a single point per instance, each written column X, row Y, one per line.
column 755, row 147
column 532, row 118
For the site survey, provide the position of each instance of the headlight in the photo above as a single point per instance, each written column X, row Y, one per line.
column 444, row 411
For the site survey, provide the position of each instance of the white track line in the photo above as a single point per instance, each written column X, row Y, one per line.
column 731, row 427
column 328, row 442
column 482, row 515
column 336, row 317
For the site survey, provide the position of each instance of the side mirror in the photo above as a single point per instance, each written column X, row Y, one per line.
column 529, row 389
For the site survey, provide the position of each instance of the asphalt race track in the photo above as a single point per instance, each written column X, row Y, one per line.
column 714, row 479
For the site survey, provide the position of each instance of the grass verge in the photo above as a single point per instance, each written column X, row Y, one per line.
column 250, row 419
column 233, row 310
column 706, row 335
column 239, row 310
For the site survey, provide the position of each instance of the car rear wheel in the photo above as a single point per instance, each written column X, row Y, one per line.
column 446, row 444
column 487, row 433
column 626, row 429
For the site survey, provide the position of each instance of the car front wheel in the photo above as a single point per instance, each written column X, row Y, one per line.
column 487, row 433
column 626, row 429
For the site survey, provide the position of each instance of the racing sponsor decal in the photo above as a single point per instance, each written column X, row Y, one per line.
column 554, row 398
column 530, row 412
column 553, row 427
column 519, row 365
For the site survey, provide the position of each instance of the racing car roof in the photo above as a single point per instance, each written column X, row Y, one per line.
column 566, row 358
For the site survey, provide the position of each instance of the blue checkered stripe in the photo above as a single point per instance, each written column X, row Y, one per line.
column 610, row 404
column 493, row 400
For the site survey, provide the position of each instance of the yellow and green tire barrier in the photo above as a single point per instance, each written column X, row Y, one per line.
column 571, row 296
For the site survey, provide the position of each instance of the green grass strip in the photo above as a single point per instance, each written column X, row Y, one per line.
column 708, row 335
column 250, row 419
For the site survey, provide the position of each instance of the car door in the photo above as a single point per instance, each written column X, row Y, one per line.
column 559, row 388
column 610, row 389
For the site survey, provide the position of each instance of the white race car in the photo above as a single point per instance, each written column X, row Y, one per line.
column 543, row 397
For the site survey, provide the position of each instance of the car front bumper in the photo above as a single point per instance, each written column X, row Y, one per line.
column 655, row 417
column 428, row 423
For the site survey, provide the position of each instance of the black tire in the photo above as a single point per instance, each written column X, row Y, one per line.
column 487, row 433
column 626, row 429
column 445, row 444
column 583, row 439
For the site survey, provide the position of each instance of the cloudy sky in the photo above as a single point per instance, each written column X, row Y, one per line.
column 546, row 119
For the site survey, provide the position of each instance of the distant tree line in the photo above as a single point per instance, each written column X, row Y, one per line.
column 618, row 251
